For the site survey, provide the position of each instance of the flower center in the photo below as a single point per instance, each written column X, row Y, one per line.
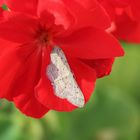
column 44, row 37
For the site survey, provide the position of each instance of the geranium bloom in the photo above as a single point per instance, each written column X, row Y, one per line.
column 125, row 17
column 1, row 2
column 44, row 42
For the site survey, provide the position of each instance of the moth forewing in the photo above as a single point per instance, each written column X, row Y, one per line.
column 62, row 79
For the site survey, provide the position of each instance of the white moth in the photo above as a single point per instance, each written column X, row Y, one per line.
column 62, row 79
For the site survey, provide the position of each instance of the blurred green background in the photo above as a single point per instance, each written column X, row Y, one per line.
column 113, row 112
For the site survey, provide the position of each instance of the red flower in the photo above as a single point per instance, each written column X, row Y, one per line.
column 1, row 2
column 29, row 34
column 126, row 18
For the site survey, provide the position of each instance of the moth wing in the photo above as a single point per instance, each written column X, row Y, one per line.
column 59, row 60
column 74, row 93
column 62, row 79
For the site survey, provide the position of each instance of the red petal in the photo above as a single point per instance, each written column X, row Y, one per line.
column 90, row 43
column 126, row 15
column 20, row 70
column 135, row 4
column 1, row 13
column 87, row 13
column 1, row 2
column 28, row 104
column 102, row 67
column 9, row 67
column 26, row 6
column 127, row 29
column 19, row 73
column 58, row 9
column 85, row 77
column 18, row 27
column 76, row 14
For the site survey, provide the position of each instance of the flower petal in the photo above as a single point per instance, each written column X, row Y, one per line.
column 18, row 27
column 102, row 67
column 26, row 6
column 28, row 104
column 125, row 14
column 19, row 74
column 135, row 5
column 58, row 10
column 87, row 13
column 127, row 29
column 85, row 76
column 90, row 43
column 76, row 13
column 1, row 2
column 1, row 13
column 8, row 69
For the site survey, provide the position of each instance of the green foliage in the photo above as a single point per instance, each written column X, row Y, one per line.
column 113, row 113
column 4, row 6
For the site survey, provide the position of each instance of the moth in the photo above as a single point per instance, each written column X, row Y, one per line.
column 62, row 79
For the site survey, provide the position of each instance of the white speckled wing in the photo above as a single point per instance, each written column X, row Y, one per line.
column 62, row 79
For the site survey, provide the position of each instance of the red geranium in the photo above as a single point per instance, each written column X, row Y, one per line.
column 125, row 16
column 1, row 2
column 29, row 32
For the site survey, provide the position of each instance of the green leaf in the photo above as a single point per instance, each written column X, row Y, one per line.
column 4, row 7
